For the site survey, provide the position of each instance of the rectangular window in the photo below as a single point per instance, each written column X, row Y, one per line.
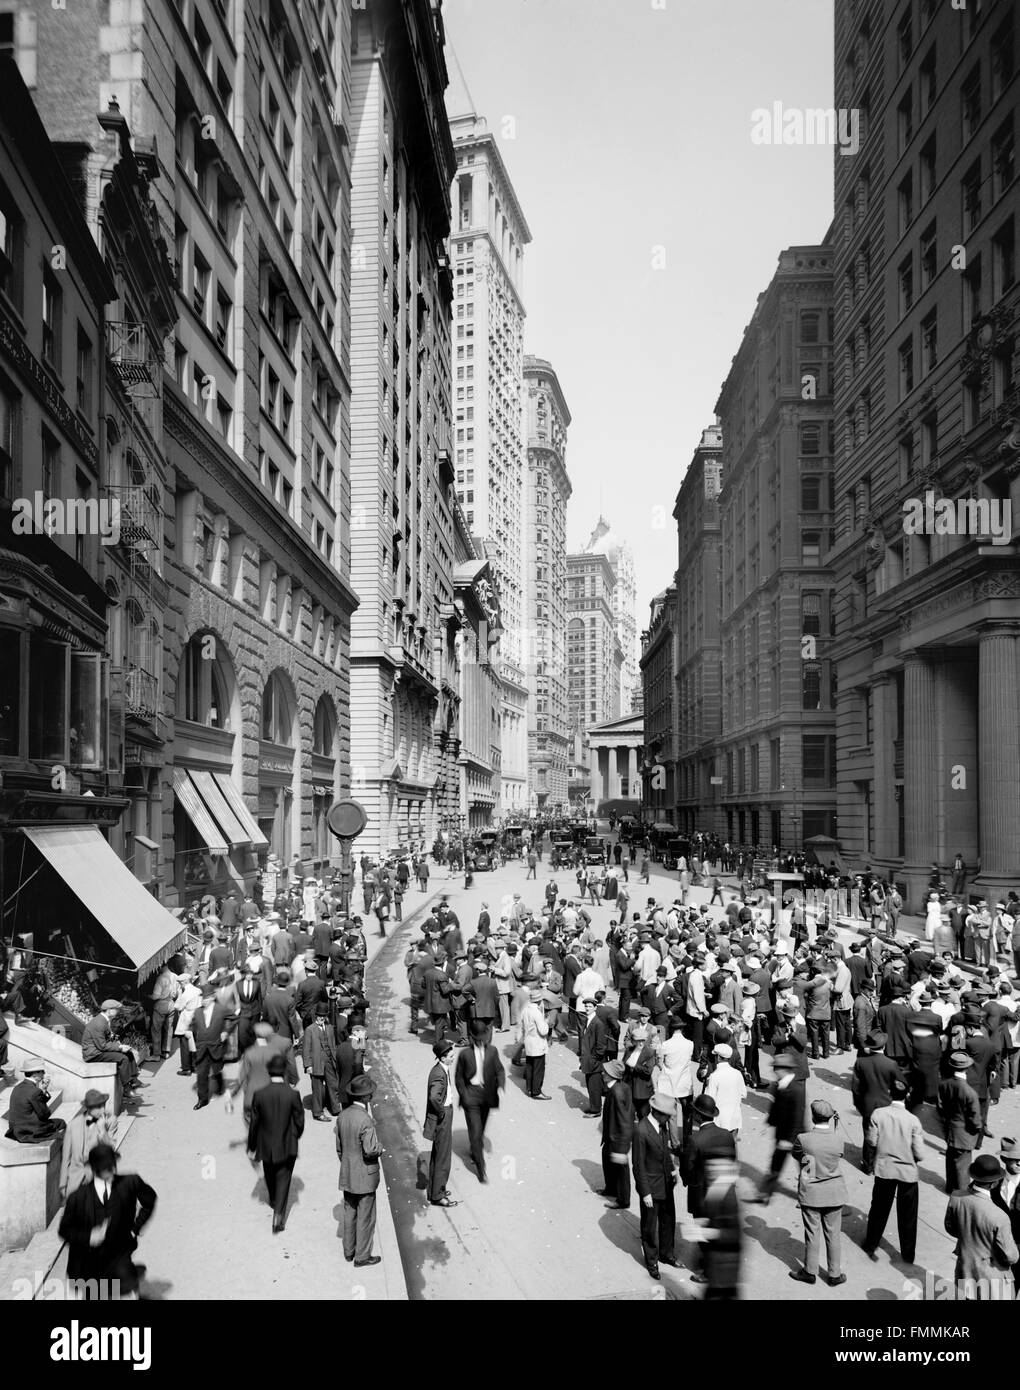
column 905, row 280
column 86, row 748
column 929, row 343
column 905, row 120
column 818, row 760
column 1002, row 58
column 929, row 256
column 811, row 548
column 11, row 242
column 811, row 494
column 83, row 373
column 906, row 367
column 47, row 700
column 905, row 196
column 11, row 694
column 971, row 189
column 1003, row 260
column 927, row 78
column 1003, row 159
column 811, row 614
column 927, row 164
column 52, row 300
column 970, row 104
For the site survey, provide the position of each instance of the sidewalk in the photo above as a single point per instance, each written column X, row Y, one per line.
column 211, row 1235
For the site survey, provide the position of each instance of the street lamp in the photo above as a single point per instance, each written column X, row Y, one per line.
column 346, row 820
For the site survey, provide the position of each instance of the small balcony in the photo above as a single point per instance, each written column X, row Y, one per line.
column 141, row 693
column 131, row 358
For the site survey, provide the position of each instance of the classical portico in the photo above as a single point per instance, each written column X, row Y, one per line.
column 614, row 756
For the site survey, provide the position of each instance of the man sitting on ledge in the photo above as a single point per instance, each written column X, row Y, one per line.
column 99, row 1045
column 28, row 1116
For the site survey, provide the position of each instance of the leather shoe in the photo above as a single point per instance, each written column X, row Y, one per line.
column 278, row 1227
column 699, row 1278
column 372, row 1260
column 671, row 1261
column 602, row 1192
column 835, row 1281
column 653, row 1270
column 617, row 1206
column 200, row 1105
column 541, row 1096
column 871, row 1254
column 443, row 1202
column 802, row 1276
column 185, row 1073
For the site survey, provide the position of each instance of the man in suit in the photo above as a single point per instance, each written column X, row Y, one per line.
column 821, row 1193
column 101, row 1224
column 350, row 1061
column 986, row 1250
column 787, row 1118
column 439, row 1123
column 898, row 1145
column 91, row 1126
column 870, row 1083
column 99, row 1045
column 865, row 1011
column 983, row 1058
column 309, row 994
column 597, row 1045
column 28, row 1114
column 617, row 1135
column 655, row 1143
column 249, row 1006
column 482, row 995
column 276, row 1125
column 279, row 1009
column 707, row 1141
column 438, row 988
column 1006, row 1194
column 253, row 1073
column 535, row 1041
column 318, row 1054
column 479, row 1078
column 358, row 1149
column 960, row 1112
column 221, row 957
column 208, row 1038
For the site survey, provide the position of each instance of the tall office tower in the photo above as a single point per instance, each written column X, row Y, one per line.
column 621, row 559
column 658, row 708
column 242, row 109
column 488, row 241
column 777, row 742
column 547, row 491
column 927, row 408
column 594, row 658
column 697, row 706
column 404, row 683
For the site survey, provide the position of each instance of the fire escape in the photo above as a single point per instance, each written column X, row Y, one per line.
column 132, row 362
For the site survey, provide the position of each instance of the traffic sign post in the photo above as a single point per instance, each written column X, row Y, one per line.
column 346, row 820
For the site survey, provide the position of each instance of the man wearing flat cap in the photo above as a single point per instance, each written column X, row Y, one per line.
column 985, row 1248
column 960, row 1112
column 821, row 1193
column 99, row 1045
column 617, row 1135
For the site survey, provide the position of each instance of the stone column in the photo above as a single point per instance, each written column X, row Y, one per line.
column 617, row 791
column 883, row 732
column 920, row 762
column 632, row 774
column 998, row 750
column 595, row 776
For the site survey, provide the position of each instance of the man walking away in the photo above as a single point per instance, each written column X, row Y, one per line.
column 960, row 1113
column 898, row 1141
column 821, row 1193
column 358, row 1149
column 276, row 1125
column 617, row 1136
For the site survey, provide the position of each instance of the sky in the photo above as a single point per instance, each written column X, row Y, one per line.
column 656, row 221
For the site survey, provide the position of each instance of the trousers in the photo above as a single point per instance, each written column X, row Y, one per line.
column 442, row 1155
column 477, row 1117
column 658, row 1230
column 616, row 1178
column 904, row 1194
column 278, row 1176
column 593, row 1082
column 958, row 1170
column 822, row 1223
column 359, row 1224
column 534, row 1074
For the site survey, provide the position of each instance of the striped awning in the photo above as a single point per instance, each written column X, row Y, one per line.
column 236, row 803
column 198, row 813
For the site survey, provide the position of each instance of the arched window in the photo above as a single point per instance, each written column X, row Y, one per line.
column 325, row 729
column 202, row 692
column 277, row 719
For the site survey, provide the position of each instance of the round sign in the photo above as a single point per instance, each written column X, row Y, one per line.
column 347, row 819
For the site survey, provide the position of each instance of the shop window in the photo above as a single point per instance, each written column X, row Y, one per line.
column 85, row 734
column 10, row 693
column 47, row 709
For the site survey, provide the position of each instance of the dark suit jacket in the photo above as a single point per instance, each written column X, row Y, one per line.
column 438, row 988
column 220, row 958
column 208, row 1041
column 1012, row 1211
column 652, row 1157
column 483, row 993
column 597, row 1040
column 277, row 1123
column 983, row 1054
column 349, row 1064
column 310, row 991
column 437, row 1099
column 249, row 998
column 786, row 1115
column 28, row 1115
column 618, row 1119
column 870, row 1083
column 279, row 1010
column 659, row 1005
column 319, row 1049
column 322, row 938
column 493, row 1077
column 129, row 1208
column 705, row 1143
column 640, row 1075
column 960, row 1113
column 893, row 1019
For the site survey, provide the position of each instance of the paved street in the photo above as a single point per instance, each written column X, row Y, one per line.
column 537, row 1229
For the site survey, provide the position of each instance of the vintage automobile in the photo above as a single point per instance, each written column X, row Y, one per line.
column 594, row 850
column 676, row 849
column 562, row 851
column 628, row 828
column 485, row 849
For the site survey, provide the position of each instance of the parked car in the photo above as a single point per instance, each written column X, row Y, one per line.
column 675, row 850
column 594, row 850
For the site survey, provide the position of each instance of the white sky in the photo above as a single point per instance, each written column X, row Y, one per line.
column 632, row 131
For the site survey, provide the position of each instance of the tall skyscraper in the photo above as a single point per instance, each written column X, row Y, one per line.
column 243, row 112
column 927, row 408
column 624, row 598
column 594, row 658
column 404, row 682
column 547, row 491
column 488, row 240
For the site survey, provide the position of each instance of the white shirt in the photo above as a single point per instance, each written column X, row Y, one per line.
column 726, row 1087
column 587, row 983
column 479, row 1077
column 102, row 1189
